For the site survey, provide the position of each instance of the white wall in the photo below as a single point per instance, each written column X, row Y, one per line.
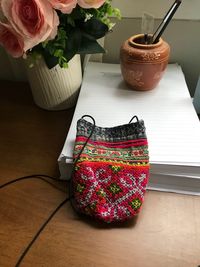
column 189, row 9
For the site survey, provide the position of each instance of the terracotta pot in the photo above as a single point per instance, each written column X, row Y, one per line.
column 143, row 65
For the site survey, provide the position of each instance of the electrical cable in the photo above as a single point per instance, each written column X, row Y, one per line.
column 39, row 232
column 39, row 176
column 77, row 158
column 42, row 177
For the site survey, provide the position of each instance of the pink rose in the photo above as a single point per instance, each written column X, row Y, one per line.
column 11, row 41
column 65, row 6
column 34, row 20
column 91, row 3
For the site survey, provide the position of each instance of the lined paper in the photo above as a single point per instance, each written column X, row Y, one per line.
column 172, row 126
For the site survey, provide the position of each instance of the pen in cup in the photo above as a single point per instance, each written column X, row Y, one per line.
column 147, row 27
column 146, row 38
column 156, row 36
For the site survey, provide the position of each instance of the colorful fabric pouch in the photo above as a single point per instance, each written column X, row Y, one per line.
column 111, row 170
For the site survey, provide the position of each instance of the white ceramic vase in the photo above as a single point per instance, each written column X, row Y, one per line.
column 56, row 88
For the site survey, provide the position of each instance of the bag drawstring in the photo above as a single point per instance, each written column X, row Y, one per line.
column 134, row 117
column 78, row 157
column 94, row 124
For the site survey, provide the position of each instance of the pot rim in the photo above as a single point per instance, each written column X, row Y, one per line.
column 132, row 42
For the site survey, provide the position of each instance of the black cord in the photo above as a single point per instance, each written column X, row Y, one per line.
column 134, row 117
column 78, row 157
column 93, row 127
column 39, row 232
column 39, row 176
column 43, row 177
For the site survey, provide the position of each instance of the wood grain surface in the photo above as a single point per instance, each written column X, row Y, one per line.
column 165, row 234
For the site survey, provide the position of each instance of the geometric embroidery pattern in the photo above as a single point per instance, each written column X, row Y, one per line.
column 110, row 177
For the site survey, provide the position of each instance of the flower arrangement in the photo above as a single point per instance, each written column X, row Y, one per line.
column 55, row 29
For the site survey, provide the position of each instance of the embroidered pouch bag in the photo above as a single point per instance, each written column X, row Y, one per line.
column 111, row 170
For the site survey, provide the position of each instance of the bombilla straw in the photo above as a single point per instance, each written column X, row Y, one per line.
column 156, row 36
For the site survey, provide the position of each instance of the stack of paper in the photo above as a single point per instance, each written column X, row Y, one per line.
column 172, row 126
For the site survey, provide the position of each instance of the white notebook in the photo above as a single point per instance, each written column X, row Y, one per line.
column 172, row 126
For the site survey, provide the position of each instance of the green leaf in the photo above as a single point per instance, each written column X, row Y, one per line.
column 50, row 60
column 58, row 53
column 95, row 28
column 90, row 46
column 70, row 21
column 73, row 43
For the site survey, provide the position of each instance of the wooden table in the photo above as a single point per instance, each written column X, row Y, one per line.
column 165, row 234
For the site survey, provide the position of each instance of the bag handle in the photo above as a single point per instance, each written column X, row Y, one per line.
column 134, row 117
column 75, row 161
column 93, row 127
